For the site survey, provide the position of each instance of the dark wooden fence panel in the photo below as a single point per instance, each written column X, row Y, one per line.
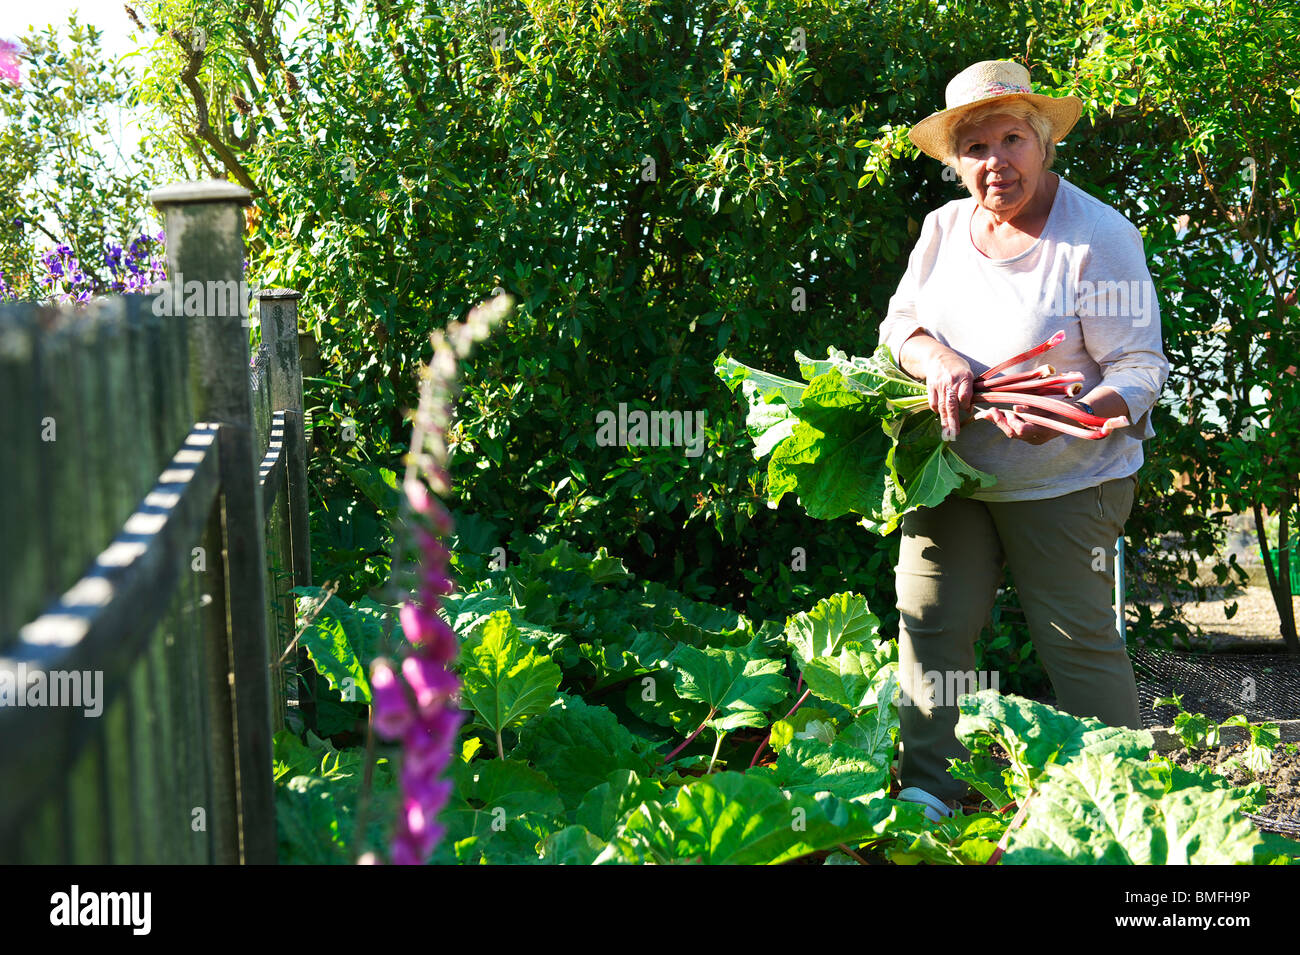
column 140, row 449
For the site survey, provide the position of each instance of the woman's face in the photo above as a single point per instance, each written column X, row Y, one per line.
column 1001, row 162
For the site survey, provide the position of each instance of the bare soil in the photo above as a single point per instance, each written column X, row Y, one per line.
column 1254, row 622
column 1282, row 780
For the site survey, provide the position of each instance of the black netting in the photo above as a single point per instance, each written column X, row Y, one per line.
column 1260, row 686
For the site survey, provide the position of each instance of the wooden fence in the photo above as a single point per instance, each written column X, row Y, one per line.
column 153, row 518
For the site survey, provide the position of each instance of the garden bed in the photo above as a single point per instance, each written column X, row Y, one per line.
column 1281, row 813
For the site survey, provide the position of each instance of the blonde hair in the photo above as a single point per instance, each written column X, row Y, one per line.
column 1015, row 109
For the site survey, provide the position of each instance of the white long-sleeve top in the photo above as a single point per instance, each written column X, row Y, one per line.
column 1086, row 274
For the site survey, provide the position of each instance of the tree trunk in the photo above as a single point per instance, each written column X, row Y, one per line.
column 1280, row 588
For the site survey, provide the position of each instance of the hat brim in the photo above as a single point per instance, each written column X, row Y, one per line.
column 931, row 134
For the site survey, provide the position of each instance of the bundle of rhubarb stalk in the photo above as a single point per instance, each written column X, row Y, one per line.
column 1038, row 389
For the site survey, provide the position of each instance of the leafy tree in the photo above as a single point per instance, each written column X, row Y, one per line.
column 64, row 178
column 657, row 181
column 1225, row 162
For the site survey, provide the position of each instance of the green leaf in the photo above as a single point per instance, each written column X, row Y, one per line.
column 808, row 722
column 579, row 746
column 1036, row 736
column 1101, row 809
column 859, row 438
column 572, row 845
column 833, row 622
column 604, row 806
column 337, row 640
column 853, row 677
column 378, row 484
column 737, row 685
column 316, row 792
column 501, row 809
column 504, row 680
column 833, row 454
column 733, row 819
column 962, row 840
column 811, row 766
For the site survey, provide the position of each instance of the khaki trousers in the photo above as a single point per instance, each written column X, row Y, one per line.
column 1061, row 554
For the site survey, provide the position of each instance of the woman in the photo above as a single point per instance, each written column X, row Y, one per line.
column 992, row 275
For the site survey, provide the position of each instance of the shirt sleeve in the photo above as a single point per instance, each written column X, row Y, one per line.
column 901, row 317
column 1115, row 301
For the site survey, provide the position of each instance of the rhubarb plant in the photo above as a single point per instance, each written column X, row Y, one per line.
column 860, row 437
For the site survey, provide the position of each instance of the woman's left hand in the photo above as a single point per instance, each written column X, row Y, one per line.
column 1014, row 426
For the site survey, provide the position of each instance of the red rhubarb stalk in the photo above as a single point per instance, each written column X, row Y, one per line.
column 1024, row 356
column 1044, row 403
column 768, row 738
column 1042, row 371
column 687, row 742
column 1030, row 385
column 1092, row 434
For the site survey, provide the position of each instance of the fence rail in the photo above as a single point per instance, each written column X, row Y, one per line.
column 153, row 522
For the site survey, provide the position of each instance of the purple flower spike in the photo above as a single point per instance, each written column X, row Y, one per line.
column 392, row 712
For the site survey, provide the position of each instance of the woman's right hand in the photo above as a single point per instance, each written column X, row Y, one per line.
column 951, row 384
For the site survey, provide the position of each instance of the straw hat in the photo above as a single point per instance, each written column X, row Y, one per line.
column 975, row 86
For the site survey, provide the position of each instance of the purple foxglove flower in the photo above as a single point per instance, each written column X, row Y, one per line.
column 427, row 744
column 431, row 793
column 434, row 584
column 424, row 628
column 392, row 714
column 422, row 830
column 432, row 683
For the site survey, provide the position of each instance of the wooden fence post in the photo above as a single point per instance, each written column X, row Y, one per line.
column 278, row 314
column 205, row 288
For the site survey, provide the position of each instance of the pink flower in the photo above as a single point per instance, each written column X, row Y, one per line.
column 427, row 743
column 418, row 834
column 425, row 629
column 432, row 683
column 434, row 584
column 418, row 495
column 430, row 792
column 392, row 714
column 9, row 62
column 433, row 552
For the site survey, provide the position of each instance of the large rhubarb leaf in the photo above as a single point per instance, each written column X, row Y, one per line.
column 342, row 641
column 833, row 454
column 770, row 398
column 1101, row 809
column 505, row 680
column 875, row 732
column 733, row 819
column 880, row 376
column 924, row 469
column 852, row 677
column 811, row 766
column 1036, row 736
column 604, row 806
column 499, row 810
column 578, row 745
column 737, row 685
column 835, row 620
